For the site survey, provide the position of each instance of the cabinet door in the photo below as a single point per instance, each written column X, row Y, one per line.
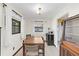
column 0, row 15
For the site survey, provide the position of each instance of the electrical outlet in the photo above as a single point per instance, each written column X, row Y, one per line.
column 13, row 48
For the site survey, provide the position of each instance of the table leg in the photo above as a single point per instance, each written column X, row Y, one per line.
column 23, row 50
column 43, row 49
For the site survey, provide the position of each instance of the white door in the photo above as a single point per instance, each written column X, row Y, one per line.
column 1, row 14
column 0, row 24
column 0, row 40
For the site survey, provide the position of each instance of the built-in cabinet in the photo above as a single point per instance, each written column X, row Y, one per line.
column 70, row 40
column 69, row 49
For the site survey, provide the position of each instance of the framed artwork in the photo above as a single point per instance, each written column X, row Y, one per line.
column 39, row 29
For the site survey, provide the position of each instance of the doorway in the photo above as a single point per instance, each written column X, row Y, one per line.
column 0, row 41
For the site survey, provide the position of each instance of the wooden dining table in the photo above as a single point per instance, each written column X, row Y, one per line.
column 33, row 41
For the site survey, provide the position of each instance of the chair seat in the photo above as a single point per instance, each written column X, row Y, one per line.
column 32, row 53
column 31, row 50
column 40, row 51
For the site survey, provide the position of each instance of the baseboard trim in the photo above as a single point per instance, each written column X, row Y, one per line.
column 17, row 51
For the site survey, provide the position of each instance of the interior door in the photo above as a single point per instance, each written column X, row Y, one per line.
column 0, row 40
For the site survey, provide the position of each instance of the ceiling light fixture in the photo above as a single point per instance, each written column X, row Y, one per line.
column 39, row 11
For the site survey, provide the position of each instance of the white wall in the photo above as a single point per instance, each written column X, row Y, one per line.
column 8, row 40
column 31, row 23
column 71, row 9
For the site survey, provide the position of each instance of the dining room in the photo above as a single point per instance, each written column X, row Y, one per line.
column 34, row 29
column 16, row 28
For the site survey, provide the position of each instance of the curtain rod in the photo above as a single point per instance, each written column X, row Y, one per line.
column 12, row 10
column 4, row 4
column 16, row 13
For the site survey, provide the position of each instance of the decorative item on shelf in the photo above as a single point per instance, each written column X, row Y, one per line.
column 61, row 21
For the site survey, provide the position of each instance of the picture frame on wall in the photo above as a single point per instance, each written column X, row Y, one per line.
column 39, row 29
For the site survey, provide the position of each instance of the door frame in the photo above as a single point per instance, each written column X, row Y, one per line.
column 0, row 41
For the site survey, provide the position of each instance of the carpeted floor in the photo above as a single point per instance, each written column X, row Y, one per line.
column 49, row 51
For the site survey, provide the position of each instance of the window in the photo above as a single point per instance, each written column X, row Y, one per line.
column 16, row 26
column 72, row 29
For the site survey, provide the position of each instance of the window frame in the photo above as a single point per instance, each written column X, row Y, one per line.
column 16, row 26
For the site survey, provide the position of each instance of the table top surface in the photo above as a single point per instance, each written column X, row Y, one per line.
column 33, row 40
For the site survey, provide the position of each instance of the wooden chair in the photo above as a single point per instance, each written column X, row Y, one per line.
column 41, row 48
column 31, row 50
column 28, row 35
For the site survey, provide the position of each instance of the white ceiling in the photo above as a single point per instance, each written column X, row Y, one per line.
column 28, row 10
